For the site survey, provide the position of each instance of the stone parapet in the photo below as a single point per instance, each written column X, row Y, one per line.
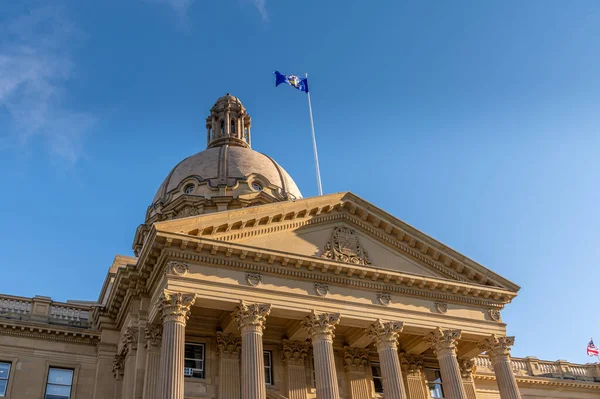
column 533, row 367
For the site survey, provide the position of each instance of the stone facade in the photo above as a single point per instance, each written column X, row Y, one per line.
column 326, row 297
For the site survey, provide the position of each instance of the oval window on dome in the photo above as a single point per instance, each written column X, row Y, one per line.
column 257, row 186
column 189, row 189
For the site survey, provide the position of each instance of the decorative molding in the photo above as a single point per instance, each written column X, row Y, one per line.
column 321, row 325
column 495, row 314
column 321, row 289
column 187, row 211
column 355, row 359
column 544, row 381
column 228, row 345
column 254, row 279
column 467, row 368
column 497, row 346
column 178, row 268
column 294, row 352
column 253, row 315
column 129, row 340
column 51, row 333
column 384, row 298
column 175, row 306
column 118, row 367
column 153, row 335
column 444, row 341
column 345, row 246
column 441, row 307
column 385, row 333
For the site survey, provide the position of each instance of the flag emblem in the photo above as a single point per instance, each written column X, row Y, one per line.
column 592, row 350
column 293, row 80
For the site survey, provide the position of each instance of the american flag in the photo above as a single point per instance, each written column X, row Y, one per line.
column 591, row 349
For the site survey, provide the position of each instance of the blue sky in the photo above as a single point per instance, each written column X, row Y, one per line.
column 476, row 122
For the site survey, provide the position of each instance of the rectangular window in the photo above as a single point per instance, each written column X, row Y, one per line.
column 268, row 356
column 4, row 374
column 377, row 378
column 434, row 383
column 59, row 383
column 194, row 360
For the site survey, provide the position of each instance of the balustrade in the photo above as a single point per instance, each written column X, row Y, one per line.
column 43, row 309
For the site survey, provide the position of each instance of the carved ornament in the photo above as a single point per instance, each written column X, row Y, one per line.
column 411, row 364
column 321, row 325
column 129, row 340
column 321, row 289
column 384, row 298
column 118, row 367
column 385, row 333
column 441, row 307
column 467, row 368
column 252, row 316
column 355, row 359
column 189, row 211
column 344, row 246
column 497, row 346
column 178, row 268
column 254, row 279
column 494, row 314
column 294, row 352
column 228, row 345
column 444, row 341
column 176, row 306
column 153, row 335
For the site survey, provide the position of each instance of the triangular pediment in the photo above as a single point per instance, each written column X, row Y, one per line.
column 340, row 227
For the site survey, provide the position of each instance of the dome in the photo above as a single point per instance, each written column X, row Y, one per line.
column 229, row 170
column 229, row 174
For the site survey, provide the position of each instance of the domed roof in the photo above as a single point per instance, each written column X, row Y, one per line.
column 228, row 166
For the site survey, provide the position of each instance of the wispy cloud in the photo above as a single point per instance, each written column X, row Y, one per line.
column 181, row 9
column 35, row 65
column 261, row 6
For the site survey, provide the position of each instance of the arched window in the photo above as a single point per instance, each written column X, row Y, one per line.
column 233, row 126
column 222, row 127
column 210, row 133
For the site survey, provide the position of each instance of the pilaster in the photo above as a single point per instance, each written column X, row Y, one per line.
column 355, row 364
column 467, row 369
column 412, row 370
column 153, row 337
column 118, row 372
column 228, row 350
column 293, row 356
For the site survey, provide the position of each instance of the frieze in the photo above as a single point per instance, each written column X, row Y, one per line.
column 344, row 246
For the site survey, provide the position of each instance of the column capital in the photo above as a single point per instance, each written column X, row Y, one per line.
column 228, row 345
column 497, row 346
column 321, row 325
column 252, row 315
column 355, row 359
column 443, row 341
column 467, row 368
column 294, row 352
column 118, row 367
column 176, row 306
column 153, row 335
column 385, row 333
column 411, row 364
column 129, row 340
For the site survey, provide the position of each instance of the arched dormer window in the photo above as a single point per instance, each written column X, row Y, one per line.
column 233, row 126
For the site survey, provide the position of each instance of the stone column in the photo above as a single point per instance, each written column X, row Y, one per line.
column 228, row 350
column 118, row 372
column 385, row 335
column 467, row 369
column 498, row 349
column 412, row 370
column 355, row 364
column 152, row 367
column 175, row 310
column 320, row 328
column 443, row 343
column 293, row 355
column 128, row 347
column 251, row 319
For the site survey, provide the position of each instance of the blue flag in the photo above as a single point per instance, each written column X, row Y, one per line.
column 293, row 80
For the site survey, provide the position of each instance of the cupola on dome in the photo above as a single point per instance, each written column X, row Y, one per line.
column 227, row 175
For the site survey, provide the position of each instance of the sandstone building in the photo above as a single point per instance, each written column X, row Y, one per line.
column 242, row 289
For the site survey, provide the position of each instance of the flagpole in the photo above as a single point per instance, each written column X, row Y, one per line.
column 314, row 140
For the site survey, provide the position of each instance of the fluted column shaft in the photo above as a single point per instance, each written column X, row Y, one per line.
column 385, row 335
column 444, row 344
column 175, row 312
column 251, row 319
column 355, row 363
column 412, row 370
column 467, row 368
column 229, row 347
column 321, row 328
column 152, row 366
column 294, row 353
column 498, row 349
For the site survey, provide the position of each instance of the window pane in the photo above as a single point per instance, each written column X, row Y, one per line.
column 58, row 391
column 378, row 385
column 267, row 358
column 436, row 391
column 60, row 376
column 193, row 364
column 194, row 351
column 376, row 371
column 3, row 384
column 4, row 371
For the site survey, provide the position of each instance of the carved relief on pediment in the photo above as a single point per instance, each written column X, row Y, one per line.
column 345, row 246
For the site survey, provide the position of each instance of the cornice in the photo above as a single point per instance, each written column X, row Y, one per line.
column 49, row 333
column 546, row 381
